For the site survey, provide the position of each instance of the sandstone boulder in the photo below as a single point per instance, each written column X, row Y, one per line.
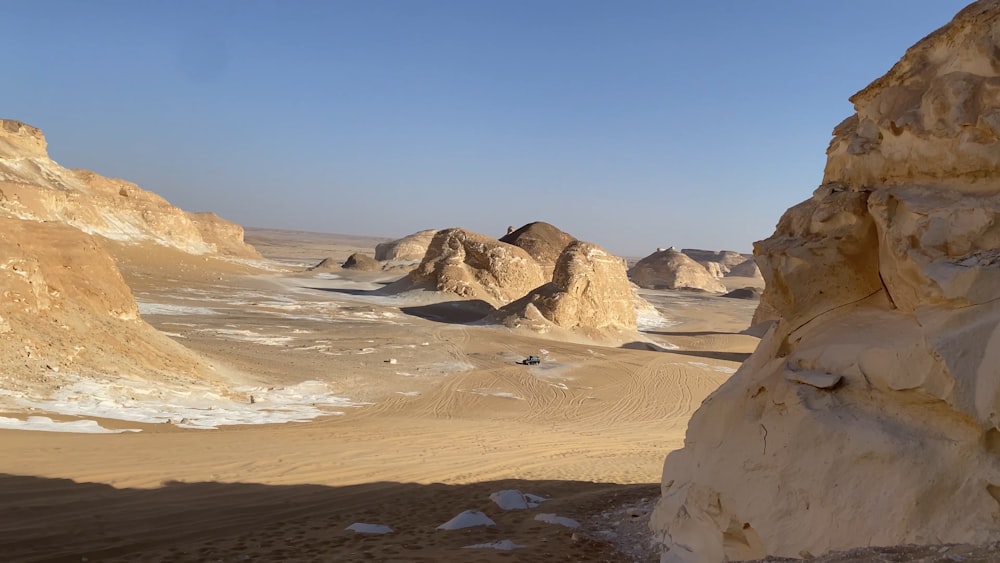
column 542, row 241
column 590, row 293
column 870, row 413
column 474, row 266
column 672, row 269
column 747, row 269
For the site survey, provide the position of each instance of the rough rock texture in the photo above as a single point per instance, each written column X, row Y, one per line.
column 671, row 269
column 362, row 262
column 34, row 187
column 410, row 248
column 590, row 292
column 475, row 266
column 542, row 241
column 717, row 263
column 66, row 312
column 870, row 413
column 326, row 265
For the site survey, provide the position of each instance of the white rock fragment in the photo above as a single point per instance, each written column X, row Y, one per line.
column 513, row 499
column 560, row 520
column 363, row 528
column 501, row 545
column 467, row 519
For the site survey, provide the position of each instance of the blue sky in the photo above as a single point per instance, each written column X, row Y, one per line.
column 631, row 124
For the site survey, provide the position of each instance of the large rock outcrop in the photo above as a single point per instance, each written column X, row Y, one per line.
column 409, row 249
column 589, row 293
column 544, row 242
column 34, row 187
column 671, row 269
column 870, row 413
column 474, row 266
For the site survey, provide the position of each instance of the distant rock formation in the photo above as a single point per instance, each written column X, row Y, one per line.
column 410, row 248
column 869, row 413
column 718, row 263
column 590, row 293
column 66, row 312
column 542, row 241
column 671, row 269
column 747, row 269
column 475, row 266
column 34, row 187
column 327, row 264
column 362, row 262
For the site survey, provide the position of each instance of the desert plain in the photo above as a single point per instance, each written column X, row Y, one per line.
column 357, row 408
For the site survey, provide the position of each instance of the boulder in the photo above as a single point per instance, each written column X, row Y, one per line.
column 717, row 263
column 870, row 412
column 672, row 269
column 542, row 241
column 474, row 266
column 590, row 293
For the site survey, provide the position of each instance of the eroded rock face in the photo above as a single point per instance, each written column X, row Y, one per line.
column 870, row 413
column 475, row 266
column 590, row 292
column 672, row 269
column 34, row 187
column 66, row 311
column 410, row 248
column 542, row 241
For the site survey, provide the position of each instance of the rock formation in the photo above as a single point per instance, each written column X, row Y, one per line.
column 671, row 269
column 362, row 262
column 589, row 293
column 747, row 269
column 744, row 293
column 66, row 310
column 410, row 248
column 34, row 187
column 717, row 263
column 542, row 241
column 869, row 413
column 475, row 266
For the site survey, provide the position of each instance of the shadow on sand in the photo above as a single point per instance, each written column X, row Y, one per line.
column 653, row 347
column 56, row 520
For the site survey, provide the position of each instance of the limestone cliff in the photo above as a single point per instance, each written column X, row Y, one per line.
column 36, row 188
column 870, row 413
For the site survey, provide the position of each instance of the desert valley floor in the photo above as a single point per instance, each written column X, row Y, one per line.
column 390, row 410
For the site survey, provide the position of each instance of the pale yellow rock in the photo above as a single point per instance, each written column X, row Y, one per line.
column 589, row 293
column 870, row 413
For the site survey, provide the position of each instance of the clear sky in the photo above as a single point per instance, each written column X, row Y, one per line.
column 631, row 124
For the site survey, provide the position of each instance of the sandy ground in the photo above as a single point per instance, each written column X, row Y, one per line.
column 432, row 417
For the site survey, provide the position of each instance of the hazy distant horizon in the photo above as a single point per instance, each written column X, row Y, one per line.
column 633, row 125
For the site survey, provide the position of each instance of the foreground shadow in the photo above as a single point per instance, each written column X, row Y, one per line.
column 653, row 347
column 452, row 312
column 60, row 520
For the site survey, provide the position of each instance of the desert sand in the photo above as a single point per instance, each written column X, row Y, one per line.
column 399, row 413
